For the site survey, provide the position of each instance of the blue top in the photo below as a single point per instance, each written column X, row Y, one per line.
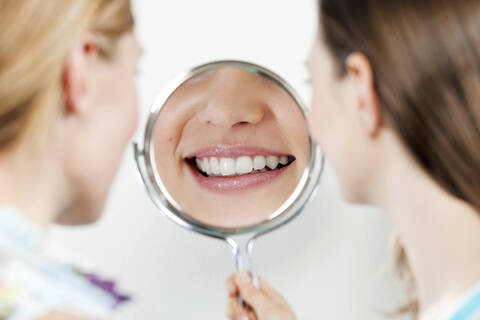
column 469, row 308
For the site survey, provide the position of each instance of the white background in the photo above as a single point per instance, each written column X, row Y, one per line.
column 330, row 263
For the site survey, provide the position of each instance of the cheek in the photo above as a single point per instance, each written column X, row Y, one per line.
column 340, row 137
column 123, row 110
column 117, row 121
column 129, row 107
column 330, row 125
column 325, row 118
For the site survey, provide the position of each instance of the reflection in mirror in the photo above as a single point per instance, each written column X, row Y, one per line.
column 230, row 146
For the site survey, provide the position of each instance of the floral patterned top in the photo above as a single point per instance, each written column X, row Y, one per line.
column 33, row 283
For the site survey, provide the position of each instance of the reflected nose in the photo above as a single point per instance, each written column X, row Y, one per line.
column 234, row 102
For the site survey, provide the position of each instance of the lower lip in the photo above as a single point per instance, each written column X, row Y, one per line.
column 236, row 183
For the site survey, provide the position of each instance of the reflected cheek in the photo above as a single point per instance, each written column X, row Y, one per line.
column 168, row 141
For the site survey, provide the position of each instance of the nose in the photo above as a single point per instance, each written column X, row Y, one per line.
column 234, row 101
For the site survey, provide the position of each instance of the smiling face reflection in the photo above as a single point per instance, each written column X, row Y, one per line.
column 231, row 147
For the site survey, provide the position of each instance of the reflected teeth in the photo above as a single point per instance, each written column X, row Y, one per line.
column 272, row 162
column 259, row 163
column 239, row 166
column 227, row 166
column 215, row 166
column 206, row 166
column 199, row 164
column 244, row 165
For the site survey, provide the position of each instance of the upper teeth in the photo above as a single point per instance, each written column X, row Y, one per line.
column 239, row 166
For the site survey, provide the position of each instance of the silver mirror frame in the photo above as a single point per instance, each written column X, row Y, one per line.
column 145, row 160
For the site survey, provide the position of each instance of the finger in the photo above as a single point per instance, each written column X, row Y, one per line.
column 232, row 287
column 235, row 311
column 253, row 296
column 270, row 291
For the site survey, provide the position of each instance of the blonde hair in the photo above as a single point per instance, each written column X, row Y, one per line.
column 36, row 39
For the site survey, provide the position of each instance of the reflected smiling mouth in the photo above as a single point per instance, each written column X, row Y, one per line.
column 244, row 165
column 224, row 169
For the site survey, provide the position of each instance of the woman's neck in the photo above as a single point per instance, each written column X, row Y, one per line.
column 441, row 234
column 30, row 185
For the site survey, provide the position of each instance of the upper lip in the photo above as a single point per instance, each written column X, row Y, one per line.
column 229, row 151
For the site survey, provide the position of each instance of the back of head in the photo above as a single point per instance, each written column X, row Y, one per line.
column 37, row 37
column 425, row 56
column 426, row 60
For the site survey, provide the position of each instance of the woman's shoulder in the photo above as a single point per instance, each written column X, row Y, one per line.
column 467, row 307
column 34, row 282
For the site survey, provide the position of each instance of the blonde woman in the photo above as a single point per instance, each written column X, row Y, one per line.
column 68, row 107
column 396, row 108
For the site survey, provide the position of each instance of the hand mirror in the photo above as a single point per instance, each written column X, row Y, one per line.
column 226, row 153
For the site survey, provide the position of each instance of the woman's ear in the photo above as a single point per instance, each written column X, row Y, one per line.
column 368, row 105
column 76, row 87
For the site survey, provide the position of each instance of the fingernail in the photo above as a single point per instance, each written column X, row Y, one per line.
column 242, row 317
column 244, row 277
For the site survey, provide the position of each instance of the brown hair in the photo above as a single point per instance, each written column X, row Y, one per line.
column 36, row 38
column 426, row 61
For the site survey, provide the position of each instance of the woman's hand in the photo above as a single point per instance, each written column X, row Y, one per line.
column 263, row 304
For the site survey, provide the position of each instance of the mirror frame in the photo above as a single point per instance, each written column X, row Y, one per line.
column 146, row 165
